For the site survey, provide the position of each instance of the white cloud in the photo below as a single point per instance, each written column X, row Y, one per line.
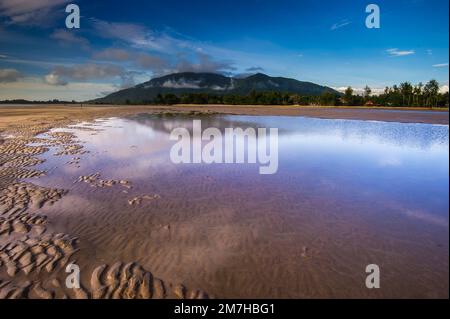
column 18, row 7
column 397, row 52
column 181, row 84
column 359, row 90
column 83, row 72
column 35, row 89
column 340, row 24
column 204, row 63
column 139, row 37
column 255, row 69
column 29, row 12
column 62, row 75
column 9, row 75
column 152, row 62
column 128, row 32
column 169, row 50
column 35, row 63
column 184, row 84
column 54, row 79
column 441, row 65
column 113, row 54
column 68, row 37
column 443, row 88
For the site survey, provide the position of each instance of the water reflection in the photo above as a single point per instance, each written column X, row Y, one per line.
column 404, row 164
column 352, row 192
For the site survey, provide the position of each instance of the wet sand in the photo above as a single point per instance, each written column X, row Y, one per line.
column 404, row 115
column 11, row 115
column 33, row 252
column 35, row 249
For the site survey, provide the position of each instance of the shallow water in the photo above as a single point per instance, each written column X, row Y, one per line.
column 347, row 194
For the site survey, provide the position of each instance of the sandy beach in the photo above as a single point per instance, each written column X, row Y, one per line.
column 11, row 115
column 35, row 251
column 33, row 254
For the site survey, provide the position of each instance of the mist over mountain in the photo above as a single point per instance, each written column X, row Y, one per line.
column 211, row 83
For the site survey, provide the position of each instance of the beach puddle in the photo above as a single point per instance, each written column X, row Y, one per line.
column 346, row 194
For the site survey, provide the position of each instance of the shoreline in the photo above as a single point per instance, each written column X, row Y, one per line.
column 14, row 115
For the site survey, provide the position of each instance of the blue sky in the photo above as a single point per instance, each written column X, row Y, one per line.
column 124, row 43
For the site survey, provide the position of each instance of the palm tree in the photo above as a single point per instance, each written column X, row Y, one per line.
column 367, row 92
column 417, row 93
column 406, row 90
column 348, row 95
column 431, row 91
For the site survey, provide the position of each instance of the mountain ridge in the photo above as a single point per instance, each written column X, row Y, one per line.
column 214, row 84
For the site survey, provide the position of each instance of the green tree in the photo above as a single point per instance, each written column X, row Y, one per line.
column 171, row 99
column 406, row 90
column 348, row 95
column 431, row 91
column 417, row 94
column 367, row 92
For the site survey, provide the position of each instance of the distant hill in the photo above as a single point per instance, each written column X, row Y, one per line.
column 26, row 102
column 211, row 83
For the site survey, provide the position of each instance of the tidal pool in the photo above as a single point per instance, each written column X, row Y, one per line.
column 347, row 194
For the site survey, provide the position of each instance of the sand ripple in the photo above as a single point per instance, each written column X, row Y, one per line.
column 33, row 254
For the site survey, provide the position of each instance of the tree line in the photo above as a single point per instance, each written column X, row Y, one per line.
column 403, row 95
column 22, row 101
